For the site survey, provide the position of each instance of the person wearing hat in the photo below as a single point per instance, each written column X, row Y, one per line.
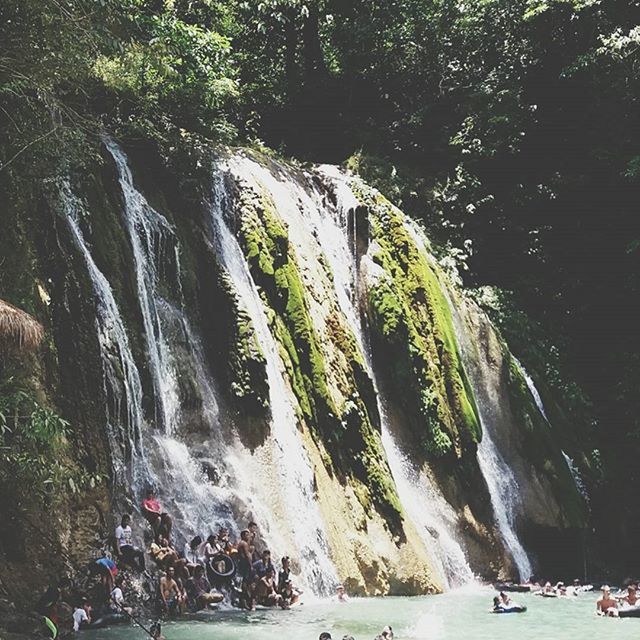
column 607, row 606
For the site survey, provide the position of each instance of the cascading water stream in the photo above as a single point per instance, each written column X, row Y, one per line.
column 197, row 505
column 501, row 482
column 532, row 389
column 147, row 230
column 575, row 473
column 294, row 474
column 432, row 516
column 120, row 370
column 318, row 229
column 505, row 496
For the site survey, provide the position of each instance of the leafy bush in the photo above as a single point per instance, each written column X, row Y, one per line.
column 33, row 446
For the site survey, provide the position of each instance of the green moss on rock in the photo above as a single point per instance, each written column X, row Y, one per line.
column 247, row 365
column 346, row 432
column 413, row 325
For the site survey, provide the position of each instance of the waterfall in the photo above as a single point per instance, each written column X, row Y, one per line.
column 501, row 482
column 505, row 497
column 532, row 389
column 575, row 472
column 123, row 388
column 197, row 505
column 426, row 508
column 294, row 476
column 148, row 231
column 577, row 477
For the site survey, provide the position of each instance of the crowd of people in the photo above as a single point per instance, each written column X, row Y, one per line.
column 203, row 574
column 209, row 571
column 625, row 602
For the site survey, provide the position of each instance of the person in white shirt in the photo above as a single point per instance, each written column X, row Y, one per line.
column 129, row 554
column 117, row 598
column 82, row 616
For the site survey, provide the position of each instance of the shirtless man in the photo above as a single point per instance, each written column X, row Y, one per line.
column 607, row 606
column 245, row 558
column 631, row 598
column 253, row 530
column 170, row 593
column 266, row 589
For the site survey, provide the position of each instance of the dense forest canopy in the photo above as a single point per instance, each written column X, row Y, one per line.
column 510, row 127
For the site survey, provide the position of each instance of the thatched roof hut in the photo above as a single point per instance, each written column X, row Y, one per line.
column 18, row 329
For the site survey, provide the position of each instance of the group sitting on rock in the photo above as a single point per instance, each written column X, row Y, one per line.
column 207, row 571
column 202, row 575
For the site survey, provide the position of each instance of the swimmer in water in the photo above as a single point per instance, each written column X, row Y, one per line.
column 342, row 596
column 607, row 606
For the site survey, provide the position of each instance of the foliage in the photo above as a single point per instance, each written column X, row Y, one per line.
column 33, row 446
column 174, row 69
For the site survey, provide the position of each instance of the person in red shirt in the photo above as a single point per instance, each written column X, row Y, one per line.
column 160, row 521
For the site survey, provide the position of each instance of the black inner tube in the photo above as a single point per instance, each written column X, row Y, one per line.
column 106, row 620
column 229, row 566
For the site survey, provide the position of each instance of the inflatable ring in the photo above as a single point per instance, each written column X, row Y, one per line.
column 107, row 620
column 229, row 566
column 512, row 588
column 631, row 612
column 514, row 609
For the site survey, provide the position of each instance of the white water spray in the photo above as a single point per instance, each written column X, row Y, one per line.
column 433, row 518
column 293, row 470
column 505, row 497
column 148, row 232
column 501, row 482
column 122, row 379
column 575, row 472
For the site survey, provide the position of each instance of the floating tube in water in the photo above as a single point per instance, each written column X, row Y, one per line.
column 629, row 612
column 514, row 609
column 229, row 566
column 107, row 620
column 513, row 588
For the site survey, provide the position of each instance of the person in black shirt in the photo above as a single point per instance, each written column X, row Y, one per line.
column 284, row 573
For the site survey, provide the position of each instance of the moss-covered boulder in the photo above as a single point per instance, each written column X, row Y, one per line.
column 412, row 323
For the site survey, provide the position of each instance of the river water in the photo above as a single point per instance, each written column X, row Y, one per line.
column 458, row 614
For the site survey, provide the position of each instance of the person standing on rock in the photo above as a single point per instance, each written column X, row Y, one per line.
column 245, row 559
column 253, row 530
column 170, row 593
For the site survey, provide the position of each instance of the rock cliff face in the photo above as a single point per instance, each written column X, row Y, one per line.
column 262, row 341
